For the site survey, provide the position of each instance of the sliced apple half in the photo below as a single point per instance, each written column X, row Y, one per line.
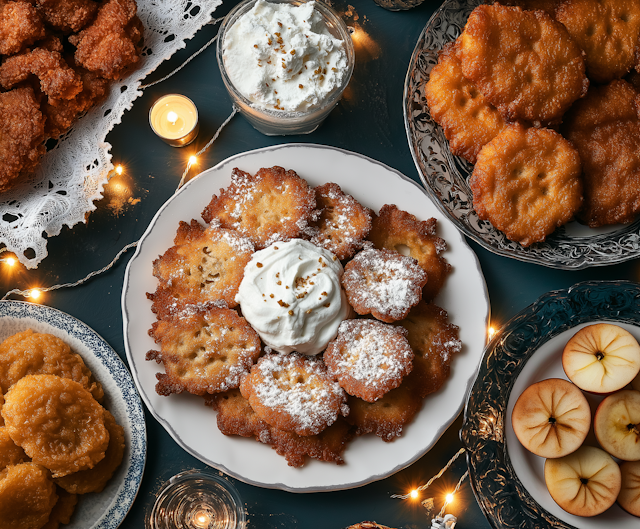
column 617, row 424
column 601, row 358
column 551, row 418
column 629, row 497
column 584, row 483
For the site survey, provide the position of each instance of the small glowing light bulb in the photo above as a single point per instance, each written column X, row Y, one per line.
column 35, row 293
column 414, row 494
column 193, row 160
column 119, row 169
column 449, row 498
column 201, row 520
column 491, row 331
column 172, row 117
column 10, row 261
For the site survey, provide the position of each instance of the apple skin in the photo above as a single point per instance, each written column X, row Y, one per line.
column 584, row 483
column 601, row 358
column 629, row 497
column 617, row 424
column 551, row 418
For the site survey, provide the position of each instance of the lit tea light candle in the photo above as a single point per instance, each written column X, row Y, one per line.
column 174, row 118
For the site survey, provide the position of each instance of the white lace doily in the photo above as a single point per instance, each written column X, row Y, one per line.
column 72, row 175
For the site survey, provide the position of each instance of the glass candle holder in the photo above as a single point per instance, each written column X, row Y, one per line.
column 174, row 118
column 197, row 499
column 272, row 122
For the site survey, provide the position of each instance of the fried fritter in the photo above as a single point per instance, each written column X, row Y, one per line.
column 605, row 129
column 95, row 479
column 398, row 230
column 21, row 136
column 68, row 16
column 206, row 352
column 548, row 6
column 387, row 416
column 273, row 205
column 20, row 26
column 57, row 79
column 608, row 31
column 328, row 445
column 57, row 423
column 205, row 264
column 368, row 358
column 294, row 393
column 383, row 283
column 237, row 417
column 111, row 45
column 10, row 453
column 527, row 183
column 343, row 223
column 434, row 342
column 62, row 510
column 1, row 404
column 27, row 496
column 524, row 63
column 31, row 353
column 456, row 104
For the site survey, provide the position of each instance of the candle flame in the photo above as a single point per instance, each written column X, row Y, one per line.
column 172, row 117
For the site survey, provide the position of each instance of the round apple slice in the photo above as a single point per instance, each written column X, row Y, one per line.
column 601, row 358
column 629, row 497
column 617, row 424
column 551, row 418
column 584, row 483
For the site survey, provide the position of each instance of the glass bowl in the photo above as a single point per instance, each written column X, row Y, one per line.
column 280, row 122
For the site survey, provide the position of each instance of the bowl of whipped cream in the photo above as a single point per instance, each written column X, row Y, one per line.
column 285, row 63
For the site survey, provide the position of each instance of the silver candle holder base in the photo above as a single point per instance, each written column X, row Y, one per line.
column 197, row 499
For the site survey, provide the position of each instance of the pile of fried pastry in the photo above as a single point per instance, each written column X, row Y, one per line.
column 58, row 57
column 394, row 348
column 542, row 96
column 56, row 439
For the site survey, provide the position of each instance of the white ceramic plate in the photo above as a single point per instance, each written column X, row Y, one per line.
column 546, row 363
column 107, row 509
column 367, row 458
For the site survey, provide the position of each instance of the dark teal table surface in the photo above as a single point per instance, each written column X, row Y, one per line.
column 368, row 120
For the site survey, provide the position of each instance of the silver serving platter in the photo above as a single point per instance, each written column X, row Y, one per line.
column 445, row 176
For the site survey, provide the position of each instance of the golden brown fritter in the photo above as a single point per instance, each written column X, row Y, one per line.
column 21, row 136
column 236, row 416
column 204, row 352
column 62, row 510
column 294, row 393
column 32, row 353
column 383, row 283
column 95, row 479
column 57, row 79
column 111, row 44
column 524, row 63
column 273, row 205
column 387, row 416
column 328, row 445
column 68, row 16
column 398, row 230
column 10, row 453
column 57, row 423
column 607, row 31
column 434, row 342
column 368, row 358
column 20, row 26
column 205, row 264
column 343, row 223
column 1, row 404
column 456, row 104
column 527, row 183
column 605, row 129
column 548, row 6
column 27, row 496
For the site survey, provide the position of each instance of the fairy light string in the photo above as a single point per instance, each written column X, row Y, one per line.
column 36, row 292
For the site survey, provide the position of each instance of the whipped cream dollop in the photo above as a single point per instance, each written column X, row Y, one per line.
column 291, row 296
column 282, row 56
